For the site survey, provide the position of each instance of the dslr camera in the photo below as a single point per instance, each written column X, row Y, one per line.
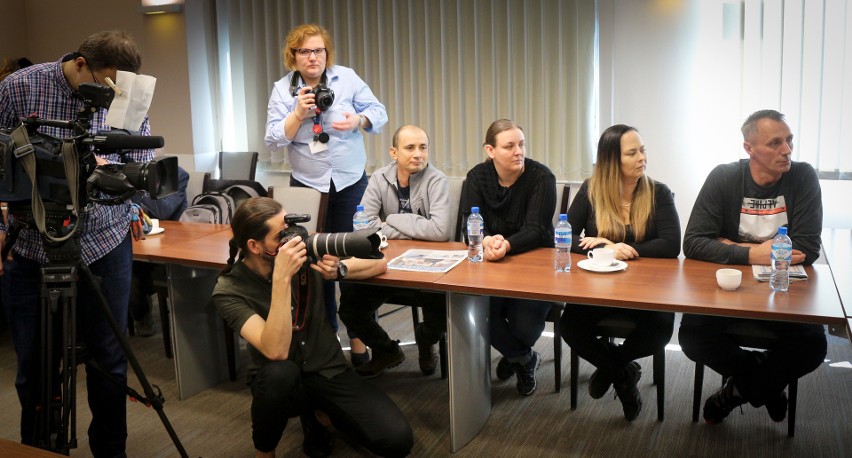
column 363, row 243
column 323, row 96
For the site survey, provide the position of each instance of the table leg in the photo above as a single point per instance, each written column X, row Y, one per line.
column 470, row 366
column 199, row 351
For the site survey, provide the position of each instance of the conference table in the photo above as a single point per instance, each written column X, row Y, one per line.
column 674, row 285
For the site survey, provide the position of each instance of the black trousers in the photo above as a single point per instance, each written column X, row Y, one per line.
column 356, row 407
column 759, row 376
column 652, row 331
column 359, row 302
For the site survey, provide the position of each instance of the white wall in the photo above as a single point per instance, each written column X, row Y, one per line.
column 667, row 69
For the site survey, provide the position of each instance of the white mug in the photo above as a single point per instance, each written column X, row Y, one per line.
column 602, row 257
column 729, row 279
column 155, row 223
column 383, row 238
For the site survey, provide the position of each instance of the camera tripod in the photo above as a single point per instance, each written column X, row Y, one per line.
column 58, row 353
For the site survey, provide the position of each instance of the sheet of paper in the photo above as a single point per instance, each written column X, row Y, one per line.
column 129, row 108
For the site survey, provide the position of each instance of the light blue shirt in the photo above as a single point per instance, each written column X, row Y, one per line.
column 344, row 160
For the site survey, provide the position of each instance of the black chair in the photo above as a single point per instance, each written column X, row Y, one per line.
column 616, row 328
column 240, row 165
column 746, row 335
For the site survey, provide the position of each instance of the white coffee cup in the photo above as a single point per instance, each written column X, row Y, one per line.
column 729, row 279
column 383, row 238
column 602, row 257
column 155, row 224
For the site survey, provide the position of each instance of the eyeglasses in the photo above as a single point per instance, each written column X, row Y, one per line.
column 306, row 52
column 90, row 70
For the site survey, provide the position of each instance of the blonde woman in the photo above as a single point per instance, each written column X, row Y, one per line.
column 621, row 208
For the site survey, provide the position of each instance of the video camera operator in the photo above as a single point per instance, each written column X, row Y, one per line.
column 50, row 90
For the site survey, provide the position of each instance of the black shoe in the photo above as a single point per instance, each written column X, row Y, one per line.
column 359, row 359
column 382, row 359
column 627, row 393
column 720, row 404
column 505, row 369
column 777, row 408
column 318, row 441
column 599, row 384
column 526, row 375
column 427, row 356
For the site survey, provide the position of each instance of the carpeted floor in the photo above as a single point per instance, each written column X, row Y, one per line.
column 217, row 422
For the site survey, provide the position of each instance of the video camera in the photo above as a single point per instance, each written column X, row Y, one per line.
column 363, row 243
column 50, row 154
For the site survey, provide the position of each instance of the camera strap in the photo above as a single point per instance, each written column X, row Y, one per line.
column 25, row 152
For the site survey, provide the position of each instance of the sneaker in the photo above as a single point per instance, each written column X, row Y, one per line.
column 318, row 441
column 526, row 375
column 628, row 393
column 145, row 326
column 720, row 404
column 382, row 360
column 777, row 408
column 427, row 356
column 599, row 384
column 505, row 369
column 358, row 359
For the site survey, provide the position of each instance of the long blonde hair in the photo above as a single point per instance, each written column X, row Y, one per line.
column 605, row 191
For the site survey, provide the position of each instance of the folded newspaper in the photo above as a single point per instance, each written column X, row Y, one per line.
column 415, row 260
column 762, row 273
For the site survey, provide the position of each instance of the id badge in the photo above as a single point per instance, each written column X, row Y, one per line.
column 317, row 147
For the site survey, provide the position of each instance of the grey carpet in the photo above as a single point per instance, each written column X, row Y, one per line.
column 217, row 422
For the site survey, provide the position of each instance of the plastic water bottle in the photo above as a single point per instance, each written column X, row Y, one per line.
column 782, row 256
column 562, row 240
column 475, row 231
column 359, row 219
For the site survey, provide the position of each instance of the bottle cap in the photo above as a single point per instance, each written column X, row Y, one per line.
column 782, row 230
column 359, row 208
column 563, row 217
column 474, row 209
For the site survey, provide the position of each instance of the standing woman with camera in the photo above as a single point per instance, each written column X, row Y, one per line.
column 317, row 111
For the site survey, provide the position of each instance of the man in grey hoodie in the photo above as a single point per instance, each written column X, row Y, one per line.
column 408, row 199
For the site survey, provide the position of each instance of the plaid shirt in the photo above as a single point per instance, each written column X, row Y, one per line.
column 42, row 90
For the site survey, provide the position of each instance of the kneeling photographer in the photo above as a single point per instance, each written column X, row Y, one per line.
column 51, row 91
column 271, row 297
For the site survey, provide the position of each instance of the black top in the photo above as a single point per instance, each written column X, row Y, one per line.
column 662, row 238
column 522, row 213
column 241, row 293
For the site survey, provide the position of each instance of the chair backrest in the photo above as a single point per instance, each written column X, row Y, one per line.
column 240, row 165
column 303, row 200
column 458, row 235
column 566, row 198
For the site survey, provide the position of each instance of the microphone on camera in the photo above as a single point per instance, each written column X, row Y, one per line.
column 118, row 139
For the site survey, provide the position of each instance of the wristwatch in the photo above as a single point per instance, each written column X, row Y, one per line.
column 342, row 271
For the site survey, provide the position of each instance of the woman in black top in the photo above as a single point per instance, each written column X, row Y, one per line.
column 516, row 197
column 621, row 208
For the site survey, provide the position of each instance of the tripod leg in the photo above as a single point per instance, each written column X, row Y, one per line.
column 131, row 358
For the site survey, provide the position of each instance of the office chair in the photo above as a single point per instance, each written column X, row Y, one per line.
column 746, row 335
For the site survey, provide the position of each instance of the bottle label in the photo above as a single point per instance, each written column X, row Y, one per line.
column 781, row 252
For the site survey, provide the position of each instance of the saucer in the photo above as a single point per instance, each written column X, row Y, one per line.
column 156, row 231
column 383, row 245
column 587, row 264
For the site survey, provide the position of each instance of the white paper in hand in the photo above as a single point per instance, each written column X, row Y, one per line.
column 128, row 110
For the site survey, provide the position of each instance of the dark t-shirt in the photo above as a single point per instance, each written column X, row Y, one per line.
column 241, row 293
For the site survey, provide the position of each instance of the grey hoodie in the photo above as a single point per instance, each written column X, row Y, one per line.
column 430, row 203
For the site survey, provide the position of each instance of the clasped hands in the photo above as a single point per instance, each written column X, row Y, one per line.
column 293, row 254
column 306, row 104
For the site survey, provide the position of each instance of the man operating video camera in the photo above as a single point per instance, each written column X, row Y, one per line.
column 51, row 90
